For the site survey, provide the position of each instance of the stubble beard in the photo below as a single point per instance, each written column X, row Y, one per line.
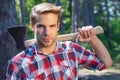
column 44, row 44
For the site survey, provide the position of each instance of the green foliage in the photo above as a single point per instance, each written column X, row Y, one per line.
column 115, row 30
column 99, row 19
column 17, row 11
column 115, row 41
column 30, row 33
column 66, row 17
column 113, row 24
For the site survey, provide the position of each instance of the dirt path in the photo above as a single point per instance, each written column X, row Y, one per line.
column 109, row 74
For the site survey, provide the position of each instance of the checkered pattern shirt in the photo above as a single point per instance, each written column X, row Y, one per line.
column 62, row 64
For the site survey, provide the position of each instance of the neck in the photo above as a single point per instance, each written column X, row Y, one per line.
column 47, row 50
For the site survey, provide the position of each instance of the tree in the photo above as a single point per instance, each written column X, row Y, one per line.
column 22, row 12
column 7, row 43
column 88, row 12
column 75, row 14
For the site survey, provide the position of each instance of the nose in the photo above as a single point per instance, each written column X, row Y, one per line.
column 46, row 31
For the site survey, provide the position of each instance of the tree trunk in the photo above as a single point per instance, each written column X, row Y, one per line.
column 7, row 43
column 88, row 12
column 22, row 15
column 74, row 15
column 7, row 14
column 22, row 12
column 76, row 22
column 7, row 51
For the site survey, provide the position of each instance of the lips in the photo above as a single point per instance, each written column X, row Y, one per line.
column 46, row 39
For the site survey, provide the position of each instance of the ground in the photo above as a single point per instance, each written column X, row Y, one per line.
column 112, row 73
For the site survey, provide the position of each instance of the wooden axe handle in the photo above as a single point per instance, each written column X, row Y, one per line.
column 96, row 30
column 71, row 36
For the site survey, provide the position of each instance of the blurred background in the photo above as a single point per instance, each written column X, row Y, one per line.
column 14, row 27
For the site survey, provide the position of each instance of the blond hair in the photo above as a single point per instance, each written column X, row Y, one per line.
column 43, row 8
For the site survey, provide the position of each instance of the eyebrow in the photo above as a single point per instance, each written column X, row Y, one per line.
column 44, row 25
column 38, row 24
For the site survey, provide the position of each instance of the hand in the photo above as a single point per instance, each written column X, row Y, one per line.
column 86, row 34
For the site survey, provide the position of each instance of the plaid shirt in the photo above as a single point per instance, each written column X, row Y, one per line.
column 62, row 64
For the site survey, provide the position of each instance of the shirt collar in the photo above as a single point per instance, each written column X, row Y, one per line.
column 60, row 47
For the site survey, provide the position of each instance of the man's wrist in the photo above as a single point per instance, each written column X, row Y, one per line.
column 94, row 39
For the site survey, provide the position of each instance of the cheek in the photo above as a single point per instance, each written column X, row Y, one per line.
column 40, row 31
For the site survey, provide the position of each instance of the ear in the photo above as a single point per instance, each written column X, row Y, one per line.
column 32, row 27
column 58, row 26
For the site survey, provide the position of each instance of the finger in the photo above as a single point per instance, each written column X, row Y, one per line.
column 80, row 32
column 88, row 32
column 89, row 28
column 85, row 32
column 80, row 38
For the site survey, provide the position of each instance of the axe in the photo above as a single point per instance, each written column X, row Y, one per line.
column 71, row 36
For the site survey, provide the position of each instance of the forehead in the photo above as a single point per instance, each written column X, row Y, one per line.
column 48, row 18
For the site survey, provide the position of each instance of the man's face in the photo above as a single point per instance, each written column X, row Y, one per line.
column 46, row 29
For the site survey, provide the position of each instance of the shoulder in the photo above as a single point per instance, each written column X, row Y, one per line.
column 27, row 54
column 18, row 58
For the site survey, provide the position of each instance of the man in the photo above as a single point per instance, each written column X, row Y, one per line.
column 49, row 59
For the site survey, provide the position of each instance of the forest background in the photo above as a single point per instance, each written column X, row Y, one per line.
column 75, row 13
column 78, row 13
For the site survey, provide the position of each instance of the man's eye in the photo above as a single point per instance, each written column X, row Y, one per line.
column 52, row 26
column 40, row 26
